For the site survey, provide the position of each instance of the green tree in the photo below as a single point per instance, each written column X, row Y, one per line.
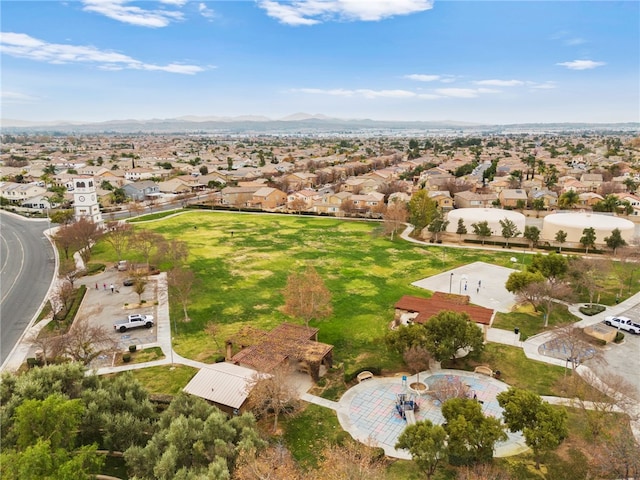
column 438, row 224
column 471, row 435
column 538, row 204
column 544, row 427
column 561, row 237
column 461, row 229
column 204, row 170
column 62, row 217
column 553, row 267
column 422, row 209
column 193, row 439
column 532, row 233
column 615, row 240
column 588, row 239
column 568, row 199
column 482, row 230
column 448, row 332
column 427, row 444
column 509, row 230
column 404, row 337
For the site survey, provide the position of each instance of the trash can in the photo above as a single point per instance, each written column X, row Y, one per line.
column 516, row 330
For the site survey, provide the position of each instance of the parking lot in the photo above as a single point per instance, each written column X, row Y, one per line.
column 624, row 359
column 102, row 307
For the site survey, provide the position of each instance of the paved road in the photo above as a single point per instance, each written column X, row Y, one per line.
column 27, row 265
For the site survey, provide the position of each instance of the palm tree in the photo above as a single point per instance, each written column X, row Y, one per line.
column 568, row 199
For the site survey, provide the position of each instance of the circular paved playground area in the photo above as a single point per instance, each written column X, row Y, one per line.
column 367, row 411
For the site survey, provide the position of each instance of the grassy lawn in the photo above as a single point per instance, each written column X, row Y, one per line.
column 531, row 323
column 518, row 371
column 309, row 432
column 165, row 379
column 241, row 276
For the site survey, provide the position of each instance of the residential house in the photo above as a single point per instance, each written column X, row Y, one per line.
column 237, row 196
column 309, row 197
column 511, row 197
column 442, row 198
column 634, row 201
column 331, row 203
column 139, row 191
column 139, row 173
column 301, row 180
column 174, row 186
column 549, row 197
column 268, row 198
column 470, row 199
column 591, row 180
column 18, row 193
column 361, row 185
column 589, row 199
column 370, row 202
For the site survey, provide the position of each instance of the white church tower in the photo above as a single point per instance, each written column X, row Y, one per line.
column 85, row 199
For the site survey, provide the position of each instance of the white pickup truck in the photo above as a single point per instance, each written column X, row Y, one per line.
column 623, row 323
column 135, row 320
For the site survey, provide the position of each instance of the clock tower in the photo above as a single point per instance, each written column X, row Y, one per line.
column 85, row 199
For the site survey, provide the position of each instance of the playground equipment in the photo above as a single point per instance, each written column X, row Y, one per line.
column 406, row 406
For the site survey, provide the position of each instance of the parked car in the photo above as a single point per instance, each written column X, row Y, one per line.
column 123, row 265
column 134, row 320
column 623, row 323
column 128, row 282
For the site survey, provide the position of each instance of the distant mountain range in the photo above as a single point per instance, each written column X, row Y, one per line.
column 296, row 124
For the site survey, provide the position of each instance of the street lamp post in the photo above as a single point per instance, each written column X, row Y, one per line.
column 450, row 280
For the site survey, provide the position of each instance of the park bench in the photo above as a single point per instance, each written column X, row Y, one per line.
column 366, row 375
column 483, row 369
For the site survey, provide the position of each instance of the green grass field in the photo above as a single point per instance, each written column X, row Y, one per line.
column 242, row 262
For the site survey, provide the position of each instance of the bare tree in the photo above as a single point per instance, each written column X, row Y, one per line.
column 298, row 205
column 273, row 463
column 483, row 471
column 135, row 208
column 66, row 240
column 139, row 286
column 273, row 394
column 618, row 455
column 173, row 251
column 307, row 297
column 145, row 242
column 62, row 298
column 181, row 282
column 69, row 272
column 348, row 207
column 395, row 217
column 352, row 460
column 417, row 359
column 118, row 234
column 49, row 344
column 588, row 274
column 85, row 342
column 577, row 347
column 446, row 388
column 86, row 233
column 545, row 295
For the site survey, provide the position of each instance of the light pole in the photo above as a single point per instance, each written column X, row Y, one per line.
column 450, row 280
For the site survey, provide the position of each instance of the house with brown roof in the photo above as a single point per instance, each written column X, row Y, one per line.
column 296, row 345
column 442, row 198
column 237, row 196
column 268, row 198
column 468, row 199
column 509, row 197
column 411, row 309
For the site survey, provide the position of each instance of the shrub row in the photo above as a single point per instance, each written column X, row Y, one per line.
column 592, row 310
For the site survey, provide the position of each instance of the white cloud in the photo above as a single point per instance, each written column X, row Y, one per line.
column 418, row 77
column 25, row 46
column 361, row 92
column 542, row 86
column 311, row 12
column 500, row 83
column 581, row 64
column 16, row 97
column 120, row 11
column 461, row 92
column 205, row 11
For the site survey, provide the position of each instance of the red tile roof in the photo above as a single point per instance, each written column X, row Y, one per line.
column 429, row 307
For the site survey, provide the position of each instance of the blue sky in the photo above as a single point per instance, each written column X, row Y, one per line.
column 472, row 61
